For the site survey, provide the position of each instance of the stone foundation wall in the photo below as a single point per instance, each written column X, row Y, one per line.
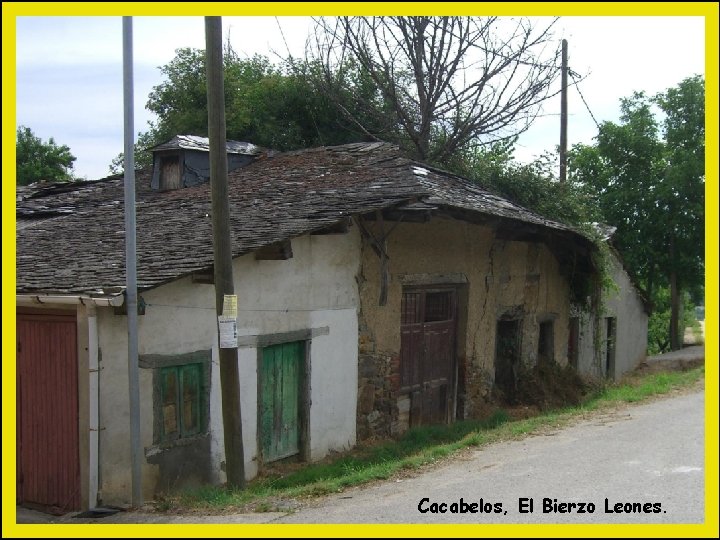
column 477, row 391
column 378, row 382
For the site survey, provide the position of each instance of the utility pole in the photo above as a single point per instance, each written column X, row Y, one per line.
column 563, row 113
column 131, row 265
column 222, row 251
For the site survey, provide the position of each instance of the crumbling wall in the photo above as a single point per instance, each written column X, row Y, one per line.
column 499, row 278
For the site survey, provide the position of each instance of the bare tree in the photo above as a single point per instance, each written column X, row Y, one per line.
column 444, row 83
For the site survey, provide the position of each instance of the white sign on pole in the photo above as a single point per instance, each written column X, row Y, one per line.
column 228, row 332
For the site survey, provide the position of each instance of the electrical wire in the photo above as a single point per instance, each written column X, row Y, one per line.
column 577, row 87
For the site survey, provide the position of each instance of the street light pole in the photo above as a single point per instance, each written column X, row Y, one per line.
column 131, row 265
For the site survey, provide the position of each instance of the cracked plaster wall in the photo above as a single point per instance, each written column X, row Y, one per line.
column 502, row 277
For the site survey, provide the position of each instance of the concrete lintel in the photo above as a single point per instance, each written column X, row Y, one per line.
column 265, row 340
column 411, row 280
column 154, row 361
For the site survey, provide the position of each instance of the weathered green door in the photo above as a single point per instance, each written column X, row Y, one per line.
column 280, row 399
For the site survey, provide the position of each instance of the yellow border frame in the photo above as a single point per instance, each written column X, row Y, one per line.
column 709, row 10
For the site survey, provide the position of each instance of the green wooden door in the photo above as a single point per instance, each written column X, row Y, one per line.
column 280, row 398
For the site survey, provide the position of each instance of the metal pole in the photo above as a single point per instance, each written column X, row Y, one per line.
column 131, row 265
column 563, row 113
column 222, row 250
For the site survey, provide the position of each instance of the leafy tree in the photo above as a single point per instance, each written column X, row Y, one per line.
column 533, row 185
column 37, row 160
column 447, row 82
column 659, row 321
column 682, row 192
column 624, row 169
column 648, row 177
column 143, row 157
column 270, row 106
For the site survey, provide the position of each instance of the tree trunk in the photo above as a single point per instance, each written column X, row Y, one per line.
column 675, row 339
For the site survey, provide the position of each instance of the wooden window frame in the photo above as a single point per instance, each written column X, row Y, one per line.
column 182, row 430
column 164, row 364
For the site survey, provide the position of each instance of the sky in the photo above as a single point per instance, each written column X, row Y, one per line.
column 69, row 72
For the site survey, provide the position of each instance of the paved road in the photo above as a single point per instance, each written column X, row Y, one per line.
column 652, row 454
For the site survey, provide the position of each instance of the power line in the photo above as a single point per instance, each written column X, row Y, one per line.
column 577, row 87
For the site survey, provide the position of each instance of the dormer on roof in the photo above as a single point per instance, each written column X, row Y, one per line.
column 184, row 161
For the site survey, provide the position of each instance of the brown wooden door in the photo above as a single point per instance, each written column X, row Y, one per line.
column 427, row 353
column 48, row 464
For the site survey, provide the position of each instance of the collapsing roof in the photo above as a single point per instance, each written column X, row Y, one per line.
column 193, row 142
column 79, row 245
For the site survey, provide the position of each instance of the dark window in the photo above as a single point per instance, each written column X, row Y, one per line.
column 546, row 342
column 507, row 356
column 438, row 306
column 182, row 401
column 574, row 342
column 411, row 308
column 611, row 325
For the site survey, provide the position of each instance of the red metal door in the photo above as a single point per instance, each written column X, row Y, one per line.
column 48, row 464
column 427, row 353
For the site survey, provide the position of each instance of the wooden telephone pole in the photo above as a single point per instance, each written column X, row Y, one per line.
column 222, row 250
column 563, row 113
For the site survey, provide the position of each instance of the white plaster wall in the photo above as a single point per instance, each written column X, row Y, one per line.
column 631, row 329
column 588, row 363
column 316, row 288
column 334, row 383
column 632, row 322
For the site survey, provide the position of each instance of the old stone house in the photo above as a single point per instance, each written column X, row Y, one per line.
column 374, row 294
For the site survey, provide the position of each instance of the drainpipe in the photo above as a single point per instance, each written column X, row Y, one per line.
column 94, row 412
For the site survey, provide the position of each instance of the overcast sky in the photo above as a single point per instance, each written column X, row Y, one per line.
column 69, row 71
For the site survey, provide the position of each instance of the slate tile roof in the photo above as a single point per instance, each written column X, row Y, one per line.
column 70, row 238
column 193, row 142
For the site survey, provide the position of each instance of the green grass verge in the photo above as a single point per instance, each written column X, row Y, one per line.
column 417, row 447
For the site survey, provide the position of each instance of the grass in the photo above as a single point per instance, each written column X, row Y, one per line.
column 414, row 449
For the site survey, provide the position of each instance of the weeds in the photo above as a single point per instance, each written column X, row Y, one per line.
column 416, row 448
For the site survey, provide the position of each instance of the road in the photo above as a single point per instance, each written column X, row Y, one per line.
column 650, row 454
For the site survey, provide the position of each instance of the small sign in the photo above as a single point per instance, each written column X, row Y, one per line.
column 227, row 327
column 230, row 306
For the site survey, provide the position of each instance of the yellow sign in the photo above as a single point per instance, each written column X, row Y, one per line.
column 230, row 305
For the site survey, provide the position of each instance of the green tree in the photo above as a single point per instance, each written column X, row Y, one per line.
column 37, row 160
column 659, row 321
column 624, row 168
column 682, row 191
column 270, row 106
column 648, row 177
column 533, row 185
